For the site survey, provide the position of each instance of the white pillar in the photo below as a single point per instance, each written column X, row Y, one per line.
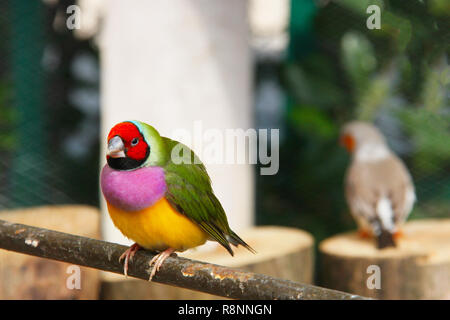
column 171, row 63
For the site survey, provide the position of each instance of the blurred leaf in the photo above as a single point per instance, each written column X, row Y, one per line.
column 313, row 121
column 358, row 59
column 298, row 83
column 397, row 27
column 436, row 86
column 439, row 7
column 375, row 96
column 306, row 84
column 430, row 132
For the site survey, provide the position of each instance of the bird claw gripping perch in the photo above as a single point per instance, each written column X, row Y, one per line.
column 158, row 261
column 128, row 256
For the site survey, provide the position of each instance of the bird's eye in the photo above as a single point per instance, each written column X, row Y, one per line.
column 134, row 141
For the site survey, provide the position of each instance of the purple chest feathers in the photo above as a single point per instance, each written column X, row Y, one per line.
column 133, row 190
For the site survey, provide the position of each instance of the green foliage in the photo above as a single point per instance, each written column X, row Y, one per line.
column 358, row 59
column 309, row 120
column 431, row 134
column 439, row 7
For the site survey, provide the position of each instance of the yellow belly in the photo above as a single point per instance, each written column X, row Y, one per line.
column 158, row 227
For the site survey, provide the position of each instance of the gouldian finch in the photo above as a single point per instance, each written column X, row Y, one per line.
column 378, row 187
column 160, row 204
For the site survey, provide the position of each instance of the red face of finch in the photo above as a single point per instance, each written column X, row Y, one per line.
column 127, row 148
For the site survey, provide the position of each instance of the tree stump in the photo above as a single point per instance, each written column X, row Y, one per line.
column 28, row 277
column 418, row 268
column 285, row 253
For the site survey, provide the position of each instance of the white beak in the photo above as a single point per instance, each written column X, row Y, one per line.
column 116, row 148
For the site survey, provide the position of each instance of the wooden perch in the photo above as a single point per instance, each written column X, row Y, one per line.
column 286, row 253
column 419, row 268
column 177, row 271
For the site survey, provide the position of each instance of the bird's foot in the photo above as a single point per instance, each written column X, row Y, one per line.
column 364, row 234
column 158, row 261
column 128, row 256
column 398, row 234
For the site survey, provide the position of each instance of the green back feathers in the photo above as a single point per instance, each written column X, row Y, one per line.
column 190, row 192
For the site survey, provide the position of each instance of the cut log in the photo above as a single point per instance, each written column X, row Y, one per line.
column 28, row 277
column 285, row 253
column 418, row 268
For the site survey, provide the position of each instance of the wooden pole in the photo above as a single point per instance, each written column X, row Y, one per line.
column 180, row 65
column 419, row 268
column 177, row 271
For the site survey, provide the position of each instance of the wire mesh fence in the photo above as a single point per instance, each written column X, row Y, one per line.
column 49, row 108
column 334, row 70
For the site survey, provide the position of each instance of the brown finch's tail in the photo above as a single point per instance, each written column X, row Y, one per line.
column 385, row 239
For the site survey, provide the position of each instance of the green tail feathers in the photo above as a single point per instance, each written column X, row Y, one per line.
column 189, row 191
column 235, row 240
